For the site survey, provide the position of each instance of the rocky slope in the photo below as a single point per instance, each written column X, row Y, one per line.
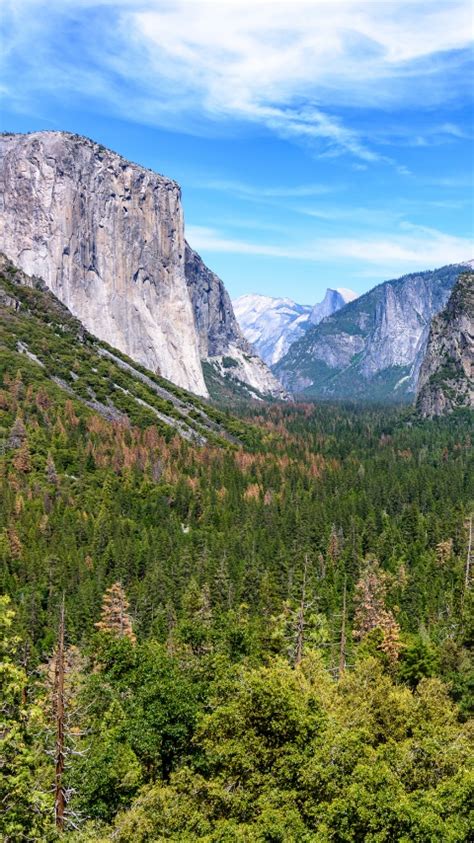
column 373, row 347
column 107, row 237
column 446, row 379
column 273, row 324
column 222, row 344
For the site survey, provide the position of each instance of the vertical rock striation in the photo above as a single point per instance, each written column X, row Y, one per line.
column 446, row 381
column 221, row 342
column 372, row 348
column 107, row 237
column 272, row 325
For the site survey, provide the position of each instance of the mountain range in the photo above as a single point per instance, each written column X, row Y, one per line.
column 107, row 238
column 273, row 324
column 373, row 347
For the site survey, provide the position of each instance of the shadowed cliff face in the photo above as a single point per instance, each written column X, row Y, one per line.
column 446, row 380
column 221, row 342
column 107, row 238
column 213, row 312
column 373, row 347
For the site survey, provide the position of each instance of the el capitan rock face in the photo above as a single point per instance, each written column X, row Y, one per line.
column 107, row 237
column 446, row 380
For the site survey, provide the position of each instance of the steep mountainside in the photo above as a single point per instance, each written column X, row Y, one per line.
column 273, row 324
column 229, row 358
column 446, row 380
column 40, row 334
column 373, row 347
column 107, row 237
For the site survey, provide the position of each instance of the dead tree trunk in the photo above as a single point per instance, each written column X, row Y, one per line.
column 342, row 642
column 59, row 790
column 467, row 576
column 300, row 619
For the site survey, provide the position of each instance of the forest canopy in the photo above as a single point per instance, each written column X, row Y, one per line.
column 260, row 643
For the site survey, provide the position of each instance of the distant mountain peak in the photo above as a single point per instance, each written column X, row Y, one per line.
column 272, row 324
column 333, row 300
column 373, row 347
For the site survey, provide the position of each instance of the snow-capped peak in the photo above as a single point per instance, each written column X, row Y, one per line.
column 271, row 324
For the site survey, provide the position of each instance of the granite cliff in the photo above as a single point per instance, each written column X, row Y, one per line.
column 221, row 342
column 107, row 237
column 332, row 302
column 373, row 347
column 446, row 380
column 50, row 349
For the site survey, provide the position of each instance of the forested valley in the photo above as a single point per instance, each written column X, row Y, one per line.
column 267, row 641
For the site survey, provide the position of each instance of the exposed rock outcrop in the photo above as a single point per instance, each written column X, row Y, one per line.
column 38, row 329
column 446, row 380
column 332, row 301
column 107, row 238
column 271, row 324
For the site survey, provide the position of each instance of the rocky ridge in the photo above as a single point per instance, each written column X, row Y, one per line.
column 43, row 341
column 446, row 381
column 222, row 344
column 373, row 347
column 272, row 325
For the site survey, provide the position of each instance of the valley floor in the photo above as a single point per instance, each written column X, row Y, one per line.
column 265, row 641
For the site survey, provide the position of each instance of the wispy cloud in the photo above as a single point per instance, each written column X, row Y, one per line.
column 451, row 182
column 411, row 247
column 288, row 66
column 254, row 192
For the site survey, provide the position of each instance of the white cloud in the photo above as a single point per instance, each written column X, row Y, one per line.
column 255, row 192
column 286, row 66
column 412, row 247
column 211, row 240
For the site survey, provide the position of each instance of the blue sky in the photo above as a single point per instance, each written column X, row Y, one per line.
column 322, row 143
